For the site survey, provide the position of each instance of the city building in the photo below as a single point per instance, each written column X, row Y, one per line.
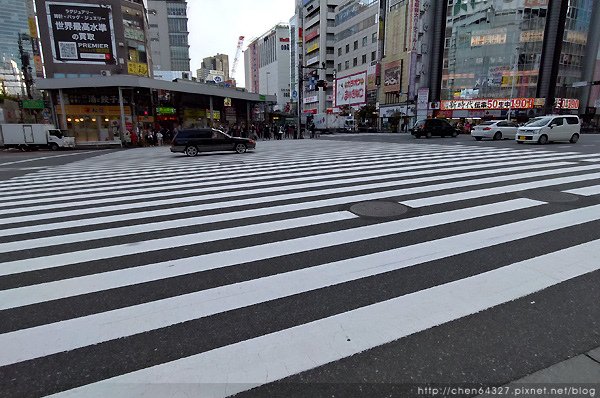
column 409, row 60
column 356, row 55
column 214, row 69
column 317, row 21
column 268, row 65
column 517, row 58
column 168, row 33
column 84, row 38
column 15, row 16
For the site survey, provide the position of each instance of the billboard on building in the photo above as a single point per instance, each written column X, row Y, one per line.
column 81, row 33
column 351, row 90
column 391, row 77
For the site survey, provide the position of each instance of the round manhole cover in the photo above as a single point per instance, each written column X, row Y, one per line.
column 378, row 208
column 550, row 196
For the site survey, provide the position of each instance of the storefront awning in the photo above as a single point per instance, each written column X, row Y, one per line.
column 185, row 86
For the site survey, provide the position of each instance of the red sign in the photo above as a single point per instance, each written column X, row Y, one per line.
column 311, row 35
column 311, row 111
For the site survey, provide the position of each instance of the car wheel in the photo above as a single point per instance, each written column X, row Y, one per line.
column 497, row 136
column 428, row 134
column 240, row 148
column 543, row 139
column 574, row 138
column 454, row 134
column 478, row 138
column 54, row 147
column 417, row 136
column 519, row 142
column 191, row 151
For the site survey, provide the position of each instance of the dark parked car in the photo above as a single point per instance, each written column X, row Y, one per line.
column 193, row 141
column 431, row 127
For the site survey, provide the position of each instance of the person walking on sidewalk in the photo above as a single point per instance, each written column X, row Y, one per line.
column 159, row 138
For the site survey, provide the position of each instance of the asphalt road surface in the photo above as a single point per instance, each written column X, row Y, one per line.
column 353, row 265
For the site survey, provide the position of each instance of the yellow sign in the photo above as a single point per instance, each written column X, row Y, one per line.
column 136, row 68
column 227, row 101
column 93, row 110
column 33, row 28
column 312, row 47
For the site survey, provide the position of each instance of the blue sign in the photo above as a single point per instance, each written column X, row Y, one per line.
column 218, row 79
column 294, row 94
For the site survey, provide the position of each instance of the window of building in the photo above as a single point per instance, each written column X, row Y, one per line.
column 339, row 66
column 347, row 48
column 373, row 55
column 340, row 52
column 347, row 64
column 364, row 41
column 364, row 59
column 374, row 38
column 355, row 62
column 356, row 44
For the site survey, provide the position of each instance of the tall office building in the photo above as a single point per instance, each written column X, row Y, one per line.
column 14, row 15
column 517, row 56
column 168, row 32
column 318, row 51
column 214, row 69
column 356, row 52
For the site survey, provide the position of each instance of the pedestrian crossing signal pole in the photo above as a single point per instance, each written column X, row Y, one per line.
column 300, row 52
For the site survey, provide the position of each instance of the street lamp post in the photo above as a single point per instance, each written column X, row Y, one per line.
column 514, row 75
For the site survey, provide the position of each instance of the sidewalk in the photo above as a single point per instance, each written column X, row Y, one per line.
column 580, row 377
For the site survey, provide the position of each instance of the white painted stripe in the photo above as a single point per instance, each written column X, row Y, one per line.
column 129, row 276
column 45, row 157
column 238, row 367
column 216, row 173
column 284, row 196
column 134, row 170
column 162, row 182
column 240, row 182
column 480, row 193
column 586, row 191
column 203, row 237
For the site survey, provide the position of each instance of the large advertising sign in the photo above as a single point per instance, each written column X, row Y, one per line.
column 351, row 90
column 391, row 77
column 478, row 104
column 81, row 33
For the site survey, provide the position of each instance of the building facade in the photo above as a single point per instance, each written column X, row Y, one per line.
column 214, row 69
column 84, row 38
column 517, row 57
column 269, row 59
column 318, row 53
column 356, row 51
column 15, row 16
column 168, row 32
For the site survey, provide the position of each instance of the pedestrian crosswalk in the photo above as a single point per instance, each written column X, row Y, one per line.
column 144, row 273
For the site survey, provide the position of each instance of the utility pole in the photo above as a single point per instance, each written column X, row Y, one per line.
column 25, row 66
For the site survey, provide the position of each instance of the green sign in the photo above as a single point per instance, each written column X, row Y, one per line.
column 166, row 111
column 33, row 104
column 262, row 97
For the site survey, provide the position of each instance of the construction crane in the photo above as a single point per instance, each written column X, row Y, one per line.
column 236, row 60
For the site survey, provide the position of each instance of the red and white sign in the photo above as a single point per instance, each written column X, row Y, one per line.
column 351, row 90
column 493, row 103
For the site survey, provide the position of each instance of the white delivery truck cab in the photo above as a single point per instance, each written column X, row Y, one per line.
column 34, row 136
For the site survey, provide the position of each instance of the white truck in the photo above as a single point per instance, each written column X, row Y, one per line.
column 34, row 136
column 332, row 123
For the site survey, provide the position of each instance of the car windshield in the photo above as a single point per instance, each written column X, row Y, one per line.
column 541, row 122
column 487, row 123
column 56, row 133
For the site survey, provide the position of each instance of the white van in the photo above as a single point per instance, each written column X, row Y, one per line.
column 550, row 128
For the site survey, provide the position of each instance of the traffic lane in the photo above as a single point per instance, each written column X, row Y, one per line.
column 16, row 163
column 490, row 348
column 588, row 143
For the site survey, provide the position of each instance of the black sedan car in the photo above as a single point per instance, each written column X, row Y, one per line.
column 430, row 127
column 193, row 141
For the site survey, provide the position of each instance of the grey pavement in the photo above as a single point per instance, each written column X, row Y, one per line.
column 353, row 265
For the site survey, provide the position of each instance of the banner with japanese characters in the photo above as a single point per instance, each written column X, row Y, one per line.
column 351, row 90
column 81, row 33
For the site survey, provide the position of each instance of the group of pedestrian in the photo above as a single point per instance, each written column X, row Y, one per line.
column 150, row 136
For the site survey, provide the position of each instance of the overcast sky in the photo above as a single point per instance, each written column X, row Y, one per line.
column 215, row 26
